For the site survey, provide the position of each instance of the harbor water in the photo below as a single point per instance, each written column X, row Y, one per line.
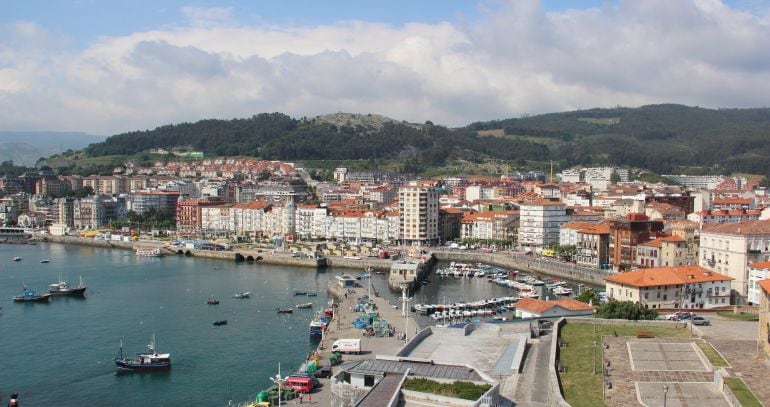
column 61, row 353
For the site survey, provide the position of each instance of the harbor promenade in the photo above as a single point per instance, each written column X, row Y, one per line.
column 341, row 327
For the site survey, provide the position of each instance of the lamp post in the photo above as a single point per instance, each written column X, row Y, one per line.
column 594, row 312
column 594, row 357
column 278, row 380
column 665, row 394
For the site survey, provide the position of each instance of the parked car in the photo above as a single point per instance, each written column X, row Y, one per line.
column 700, row 321
column 679, row 316
column 324, row 372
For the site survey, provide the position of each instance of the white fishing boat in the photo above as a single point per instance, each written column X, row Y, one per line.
column 149, row 252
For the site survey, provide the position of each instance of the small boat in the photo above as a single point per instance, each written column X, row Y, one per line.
column 300, row 292
column 212, row 301
column 45, row 261
column 31, row 296
column 63, row 288
column 246, row 294
column 285, row 310
column 305, row 305
column 149, row 361
column 17, row 258
column 149, row 252
column 220, row 322
column 311, row 294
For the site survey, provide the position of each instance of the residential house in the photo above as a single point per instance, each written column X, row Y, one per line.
column 567, row 307
column 757, row 272
column 728, row 248
column 540, row 223
column 674, row 287
column 592, row 246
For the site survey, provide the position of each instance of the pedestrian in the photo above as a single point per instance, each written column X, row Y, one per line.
column 310, row 397
column 300, row 398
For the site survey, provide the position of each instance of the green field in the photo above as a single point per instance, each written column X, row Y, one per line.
column 742, row 392
column 712, row 355
column 581, row 387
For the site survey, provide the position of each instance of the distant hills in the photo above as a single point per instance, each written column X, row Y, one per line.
column 25, row 148
column 662, row 138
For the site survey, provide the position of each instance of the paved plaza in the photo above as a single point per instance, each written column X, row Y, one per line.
column 652, row 394
column 637, row 369
column 660, row 356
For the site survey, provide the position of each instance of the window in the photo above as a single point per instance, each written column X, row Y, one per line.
column 645, row 296
column 665, row 297
column 368, row 380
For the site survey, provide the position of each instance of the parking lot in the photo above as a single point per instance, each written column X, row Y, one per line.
column 661, row 356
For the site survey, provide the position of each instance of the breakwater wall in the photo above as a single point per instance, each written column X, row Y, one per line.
column 529, row 264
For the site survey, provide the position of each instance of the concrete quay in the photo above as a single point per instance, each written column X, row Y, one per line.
column 341, row 327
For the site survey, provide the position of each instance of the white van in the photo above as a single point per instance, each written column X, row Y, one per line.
column 347, row 346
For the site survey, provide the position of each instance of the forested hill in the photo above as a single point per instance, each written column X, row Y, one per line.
column 280, row 137
column 662, row 138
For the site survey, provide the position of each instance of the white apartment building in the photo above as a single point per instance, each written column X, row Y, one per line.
column 676, row 287
column 568, row 233
column 541, row 222
column 757, row 273
column 418, row 205
column 728, row 248
column 476, row 192
column 570, row 175
column 216, row 220
column 247, row 219
column 311, row 222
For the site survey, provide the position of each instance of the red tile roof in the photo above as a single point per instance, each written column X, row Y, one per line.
column 765, row 284
column 760, row 265
column 747, row 227
column 674, row 275
column 540, row 306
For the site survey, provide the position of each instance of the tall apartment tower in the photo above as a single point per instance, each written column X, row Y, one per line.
column 418, row 204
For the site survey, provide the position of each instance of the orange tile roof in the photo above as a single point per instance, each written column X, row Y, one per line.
column 577, row 225
column 747, row 227
column 596, row 230
column 739, row 201
column 652, row 243
column 540, row 306
column 765, row 284
column 673, row 275
column 760, row 265
column 672, row 239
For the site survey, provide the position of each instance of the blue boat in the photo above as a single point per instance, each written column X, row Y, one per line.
column 150, row 361
column 31, row 296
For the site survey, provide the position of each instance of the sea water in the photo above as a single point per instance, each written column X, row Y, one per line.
column 61, row 353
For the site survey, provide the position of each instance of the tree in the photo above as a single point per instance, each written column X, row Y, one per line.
column 625, row 310
column 587, row 296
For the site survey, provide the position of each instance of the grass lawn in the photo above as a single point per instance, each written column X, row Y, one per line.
column 743, row 315
column 459, row 389
column 581, row 387
column 713, row 356
column 742, row 392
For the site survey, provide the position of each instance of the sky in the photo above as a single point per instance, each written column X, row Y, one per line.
column 107, row 67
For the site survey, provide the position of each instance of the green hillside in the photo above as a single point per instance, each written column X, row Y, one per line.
column 661, row 138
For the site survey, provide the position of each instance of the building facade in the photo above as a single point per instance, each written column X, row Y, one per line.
column 541, row 222
column 418, row 205
column 678, row 287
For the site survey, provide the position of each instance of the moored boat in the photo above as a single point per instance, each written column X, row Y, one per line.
column 220, row 322
column 145, row 362
column 246, row 294
column 31, row 296
column 305, row 305
column 63, row 288
column 45, row 261
column 285, row 310
column 212, row 301
column 149, row 252
column 17, row 258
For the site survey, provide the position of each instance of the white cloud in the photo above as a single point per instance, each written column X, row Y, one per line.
column 519, row 59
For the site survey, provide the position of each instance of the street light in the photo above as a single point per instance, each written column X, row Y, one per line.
column 594, row 357
column 278, row 380
column 665, row 393
column 594, row 311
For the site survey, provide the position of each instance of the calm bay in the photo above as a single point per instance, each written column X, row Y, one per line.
column 61, row 353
